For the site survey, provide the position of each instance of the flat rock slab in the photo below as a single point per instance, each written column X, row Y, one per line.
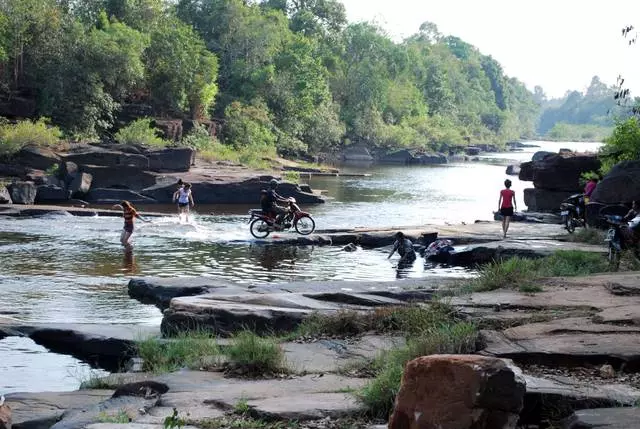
column 104, row 345
column 333, row 355
column 43, row 209
column 44, row 409
column 627, row 314
column 605, row 418
column 133, row 406
column 160, row 290
column 306, row 407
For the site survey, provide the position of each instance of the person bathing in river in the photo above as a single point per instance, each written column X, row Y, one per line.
column 129, row 213
column 184, row 197
column 404, row 246
column 506, row 206
column 268, row 201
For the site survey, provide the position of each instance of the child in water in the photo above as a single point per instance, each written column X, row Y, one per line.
column 185, row 198
column 129, row 213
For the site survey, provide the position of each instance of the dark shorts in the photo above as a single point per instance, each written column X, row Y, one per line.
column 182, row 205
column 506, row 211
column 128, row 227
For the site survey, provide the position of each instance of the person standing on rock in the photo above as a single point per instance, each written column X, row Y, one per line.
column 506, row 206
column 129, row 213
column 185, row 198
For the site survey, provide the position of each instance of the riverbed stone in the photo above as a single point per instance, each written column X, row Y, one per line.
column 5, row 196
column 51, row 194
column 160, row 290
column 22, row 192
column 42, row 410
column 108, row 158
column 458, row 391
column 5, row 417
column 80, row 184
column 122, row 177
column 132, row 406
column 37, row 157
column 605, row 418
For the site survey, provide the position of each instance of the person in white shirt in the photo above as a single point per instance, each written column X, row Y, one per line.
column 184, row 197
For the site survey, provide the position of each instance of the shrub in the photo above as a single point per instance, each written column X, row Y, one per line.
column 14, row 137
column 189, row 349
column 251, row 354
column 254, row 156
column 199, row 138
column 140, row 132
column 291, row 176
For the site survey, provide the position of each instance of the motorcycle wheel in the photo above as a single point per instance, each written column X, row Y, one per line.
column 613, row 257
column 305, row 225
column 259, row 228
column 570, row 224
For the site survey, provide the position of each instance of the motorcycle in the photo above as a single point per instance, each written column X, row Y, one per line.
column 263, row 224
column 572, row 211
column 618, row 241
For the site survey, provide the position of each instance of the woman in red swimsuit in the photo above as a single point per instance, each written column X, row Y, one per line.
column 129, row 213
column 506, row 206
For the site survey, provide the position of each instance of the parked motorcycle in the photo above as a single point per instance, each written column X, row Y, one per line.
column 618, row 241
column 263, row 224
column 572, row 211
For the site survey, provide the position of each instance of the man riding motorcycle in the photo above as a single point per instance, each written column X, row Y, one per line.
column 268, row 201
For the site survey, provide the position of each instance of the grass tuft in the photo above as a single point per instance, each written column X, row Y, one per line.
column 192, row 350
column 120, row 417
column 253, row 355
column 586, row 235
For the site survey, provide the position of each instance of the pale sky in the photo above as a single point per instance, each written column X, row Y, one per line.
column 557, row 44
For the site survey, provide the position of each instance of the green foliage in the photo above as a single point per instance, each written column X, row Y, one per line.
column 623, row 145
column 189, row 349
column 291, row 176
column 522, row 273
column 140, row 132
column 578, row 132
column 199, row 139
column 14, row 137
column 174, row 421
column 254, row 355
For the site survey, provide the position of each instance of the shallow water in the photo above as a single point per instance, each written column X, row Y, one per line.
column 72, row 269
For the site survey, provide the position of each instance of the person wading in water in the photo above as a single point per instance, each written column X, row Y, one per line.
column 506, row 206
column 129, row 213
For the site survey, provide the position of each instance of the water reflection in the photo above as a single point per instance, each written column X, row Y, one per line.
column 129, row 262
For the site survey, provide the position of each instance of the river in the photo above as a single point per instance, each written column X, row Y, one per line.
column 72, row 269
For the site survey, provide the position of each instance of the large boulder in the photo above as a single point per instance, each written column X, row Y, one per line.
column 109, row 158
column 5, row 197
column 403, row 156
column 13, row 170
column 171, row 128
column 22, row 192
column 558, row 173
column 68, row 171
column 512, row 170
column 172, row 159
column 51, row 194
column 80, row 184
column 244, row 192
column 459, row 392
column 40, row 158
column 543, row 199
column 620, row 185
column 119, row 177
column 432, row 158
column 540, row 155
column 115, row 196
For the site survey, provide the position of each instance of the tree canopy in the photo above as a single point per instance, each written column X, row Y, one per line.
column 293, row 74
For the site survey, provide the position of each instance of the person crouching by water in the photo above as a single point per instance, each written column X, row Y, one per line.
column 404, row 246
column 129, row 213
column 185, row 198
column 506, row 206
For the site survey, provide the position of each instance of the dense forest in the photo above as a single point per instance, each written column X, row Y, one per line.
column 291, row 75
column 588, row 115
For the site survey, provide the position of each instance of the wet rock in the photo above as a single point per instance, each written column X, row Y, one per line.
column 144, row 389
column 43, row 410
column 350, row 248
column 620, row 185
column 81, row 184
column 411, row 157
column 22, row 192
column 5, row 417
column 108, row 158
column 605, row 418
column 5, row 196
column 171, row 159
column 51, row 194
column 607, row 371
column 119, row 177
column 231, row 192
column 357, row 153
column 40, row 158
column 627, row 286
column 559, row 173
column 115, row 196
column 457, row 391
column 160, row 291
column 544, row 199
column 513, row 170
column 540, row 155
